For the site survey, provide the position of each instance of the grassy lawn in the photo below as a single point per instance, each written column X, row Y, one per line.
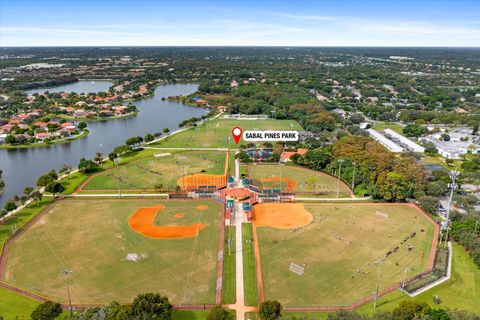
column 92, row 238
column 462, row 291
column 308, row 183
column 218, row 133
column 72, row 182
column 190, row 314
column 146, row 172
column 15, row 306
column 386, row 125
column 339, row 250
column 19, row 219
column 249, row 273
column 229, row 283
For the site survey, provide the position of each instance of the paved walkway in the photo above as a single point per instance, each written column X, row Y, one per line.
column 191, row 149
column 332, row 199
column 240, row 218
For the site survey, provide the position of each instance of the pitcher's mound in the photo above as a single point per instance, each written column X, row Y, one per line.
column 178, row 215
column 202, row 207
column 281, row 215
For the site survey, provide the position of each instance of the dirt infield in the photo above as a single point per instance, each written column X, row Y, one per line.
column 142, row 223
column 286, row 184
column 193, row 181
column 281, row 215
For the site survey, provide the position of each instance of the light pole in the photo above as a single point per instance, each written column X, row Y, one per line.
column 117, row 161
column 340, row 161
column 375, row 294
column 404, row 279
column 453, row 175
column 66, row 273
column 353, row 178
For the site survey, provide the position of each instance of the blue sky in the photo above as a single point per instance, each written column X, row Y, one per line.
column 236, row 23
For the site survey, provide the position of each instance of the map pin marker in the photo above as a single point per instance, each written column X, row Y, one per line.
column 237, row 134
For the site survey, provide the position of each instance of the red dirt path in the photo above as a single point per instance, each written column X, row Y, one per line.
column 142, row 223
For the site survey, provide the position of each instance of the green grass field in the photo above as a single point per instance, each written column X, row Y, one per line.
column 309, row 183
column 20, row 219
column 386, row 125
column 339, row 250
column 145, row 173
column 229, row 282
column 249, row 271
column 218, row 133
column 15, row 306
column 462, row 291
column 92, row 238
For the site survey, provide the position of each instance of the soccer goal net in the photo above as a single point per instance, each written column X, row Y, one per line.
column 298, row 269
column 381, row 214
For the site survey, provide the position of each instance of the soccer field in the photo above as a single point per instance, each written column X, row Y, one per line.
column 165, row 170
column 339, row 246
column 302, row 181
column 218, row 133
column 109, row 260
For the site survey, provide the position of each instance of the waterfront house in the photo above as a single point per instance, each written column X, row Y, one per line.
column 105, row 113
column 119, row 109
column 43, row 135
column 79, row 113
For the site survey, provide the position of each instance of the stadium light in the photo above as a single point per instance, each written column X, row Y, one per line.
column 116, row 161
column 66, row 273
column 340, row 161
column 375, row 294
column 353, row 178
column 453, row 176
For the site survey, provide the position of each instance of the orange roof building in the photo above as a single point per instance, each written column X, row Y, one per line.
column 286, row 155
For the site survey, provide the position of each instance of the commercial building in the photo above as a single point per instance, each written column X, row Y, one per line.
column 403, row 141
column 460, row 141
column 384, row 141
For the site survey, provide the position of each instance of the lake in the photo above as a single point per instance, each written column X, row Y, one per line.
column 22, row 167
column 84, row 86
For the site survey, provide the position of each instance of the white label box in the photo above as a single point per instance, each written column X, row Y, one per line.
column 270, row 135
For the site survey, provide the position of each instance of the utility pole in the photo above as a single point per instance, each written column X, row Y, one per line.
column 353, row 178
column 66, row 273
column 340, row 161
column 453, row 175
column 375, row 294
